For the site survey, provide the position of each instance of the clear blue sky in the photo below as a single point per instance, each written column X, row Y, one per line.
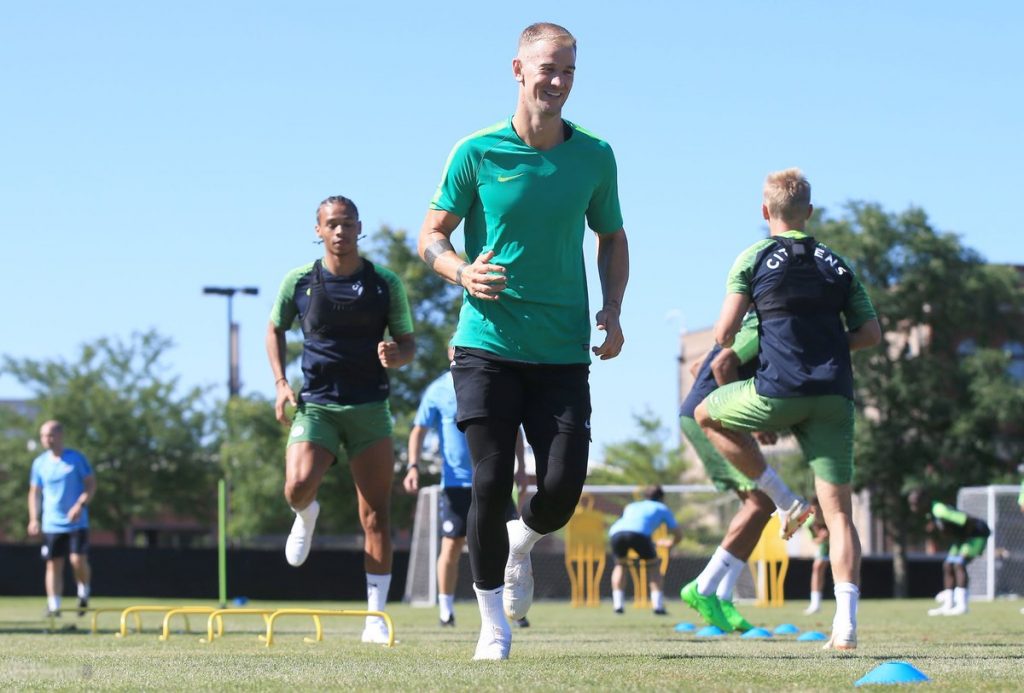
column 151, row 148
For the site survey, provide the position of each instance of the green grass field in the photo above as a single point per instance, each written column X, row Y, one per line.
column 565, row 649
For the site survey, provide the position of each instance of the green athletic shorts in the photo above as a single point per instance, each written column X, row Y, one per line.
column 341, row 429
column 822, row 424
column 723, row 475
column 972, row 548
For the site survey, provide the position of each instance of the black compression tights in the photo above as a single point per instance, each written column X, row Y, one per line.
column 561, row 470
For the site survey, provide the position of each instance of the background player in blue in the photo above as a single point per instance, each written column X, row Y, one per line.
column 346, row 304
column 527, row 188
column 64, row 481
column 633, row 531
column 437, row 411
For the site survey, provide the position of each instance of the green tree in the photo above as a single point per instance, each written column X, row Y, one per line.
column 147, row 443
column 929, row 410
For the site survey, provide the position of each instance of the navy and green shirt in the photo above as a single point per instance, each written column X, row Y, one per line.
column 529, row 207
column 343, row 319
column 744, row 345
column 956, row 524
column 802, row 292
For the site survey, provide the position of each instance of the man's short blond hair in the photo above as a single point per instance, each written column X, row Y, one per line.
column 546, row 31
column 787, row 194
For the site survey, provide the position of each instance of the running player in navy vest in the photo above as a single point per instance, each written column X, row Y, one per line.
column 813, row 312
column 527, row 188
column 345, row 305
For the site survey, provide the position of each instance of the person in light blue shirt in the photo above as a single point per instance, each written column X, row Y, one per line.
column 633, row 531
column 63, row 480
column 437, row 412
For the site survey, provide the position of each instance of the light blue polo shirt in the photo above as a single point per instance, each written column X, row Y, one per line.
column 437, row 411
column 62, row 481
column 643, row 517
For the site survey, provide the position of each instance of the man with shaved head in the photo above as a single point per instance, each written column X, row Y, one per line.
column 63, row 480
column 526, row 188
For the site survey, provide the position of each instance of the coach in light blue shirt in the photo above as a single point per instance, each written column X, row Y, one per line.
column 63, row 479
column 633, row 531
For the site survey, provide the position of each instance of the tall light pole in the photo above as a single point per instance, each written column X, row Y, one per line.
column 234, row 383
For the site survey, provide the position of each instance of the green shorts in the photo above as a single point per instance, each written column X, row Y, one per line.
column 723, row 475
column 822, row 424
column 821, row 553
column 972, row 548
column 341, row 429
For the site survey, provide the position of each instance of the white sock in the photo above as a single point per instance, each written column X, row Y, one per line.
column 618, row 599
column 520, row 537
column 716, row 569
column 446, row 603
column 83, row 590
column 377, row 587
column 492, row 613
column 308, row 513
column 657, row 600
column 53, row 603
column 816, row 599
column 776, row 488
column 945, row 598
column 728, row 583
column 959, row 597
column 847, row 594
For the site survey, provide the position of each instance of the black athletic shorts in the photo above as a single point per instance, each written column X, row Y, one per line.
column 453, row 508
column 622, row 542
column 488, row 386
column 60, row 544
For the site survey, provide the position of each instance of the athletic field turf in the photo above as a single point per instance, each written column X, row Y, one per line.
column 565, row 649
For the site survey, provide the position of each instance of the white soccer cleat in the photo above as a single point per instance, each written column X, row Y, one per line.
column 939, row 611
column 300, row 539
column 793, row 518
column 518, row 595
column 812, row 609
column 955, row 610
column 844, row 640
column 376, row 632
column 494, row 644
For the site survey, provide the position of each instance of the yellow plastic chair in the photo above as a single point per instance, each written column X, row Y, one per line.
column 638, row 568
column 769, row 563
column 585, row 547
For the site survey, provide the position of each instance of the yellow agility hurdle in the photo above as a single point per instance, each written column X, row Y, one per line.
column 265, row 613
column 184, row 611
column 106, row 610
column 326, row 612
column 136, row 610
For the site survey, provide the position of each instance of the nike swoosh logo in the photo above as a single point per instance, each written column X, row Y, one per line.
column 506, row 179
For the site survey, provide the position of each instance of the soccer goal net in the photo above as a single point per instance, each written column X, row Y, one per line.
column 1000, row 570
column 702, row 512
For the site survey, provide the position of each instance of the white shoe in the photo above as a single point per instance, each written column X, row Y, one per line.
column 793, row 518
column 300, row 539
column 812, row 609
column 955, row 610
column 939, row 611
column 495, row 643
column 844, row 641
column 376, row 633
column 518, row 595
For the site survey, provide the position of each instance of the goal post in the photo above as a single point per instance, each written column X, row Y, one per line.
column 999, row 572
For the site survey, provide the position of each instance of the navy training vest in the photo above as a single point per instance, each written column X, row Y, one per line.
column 339, row 357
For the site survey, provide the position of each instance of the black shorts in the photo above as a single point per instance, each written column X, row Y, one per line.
column 487, row 386
column 453, row 509
column 60, row 544
column 622, row 542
